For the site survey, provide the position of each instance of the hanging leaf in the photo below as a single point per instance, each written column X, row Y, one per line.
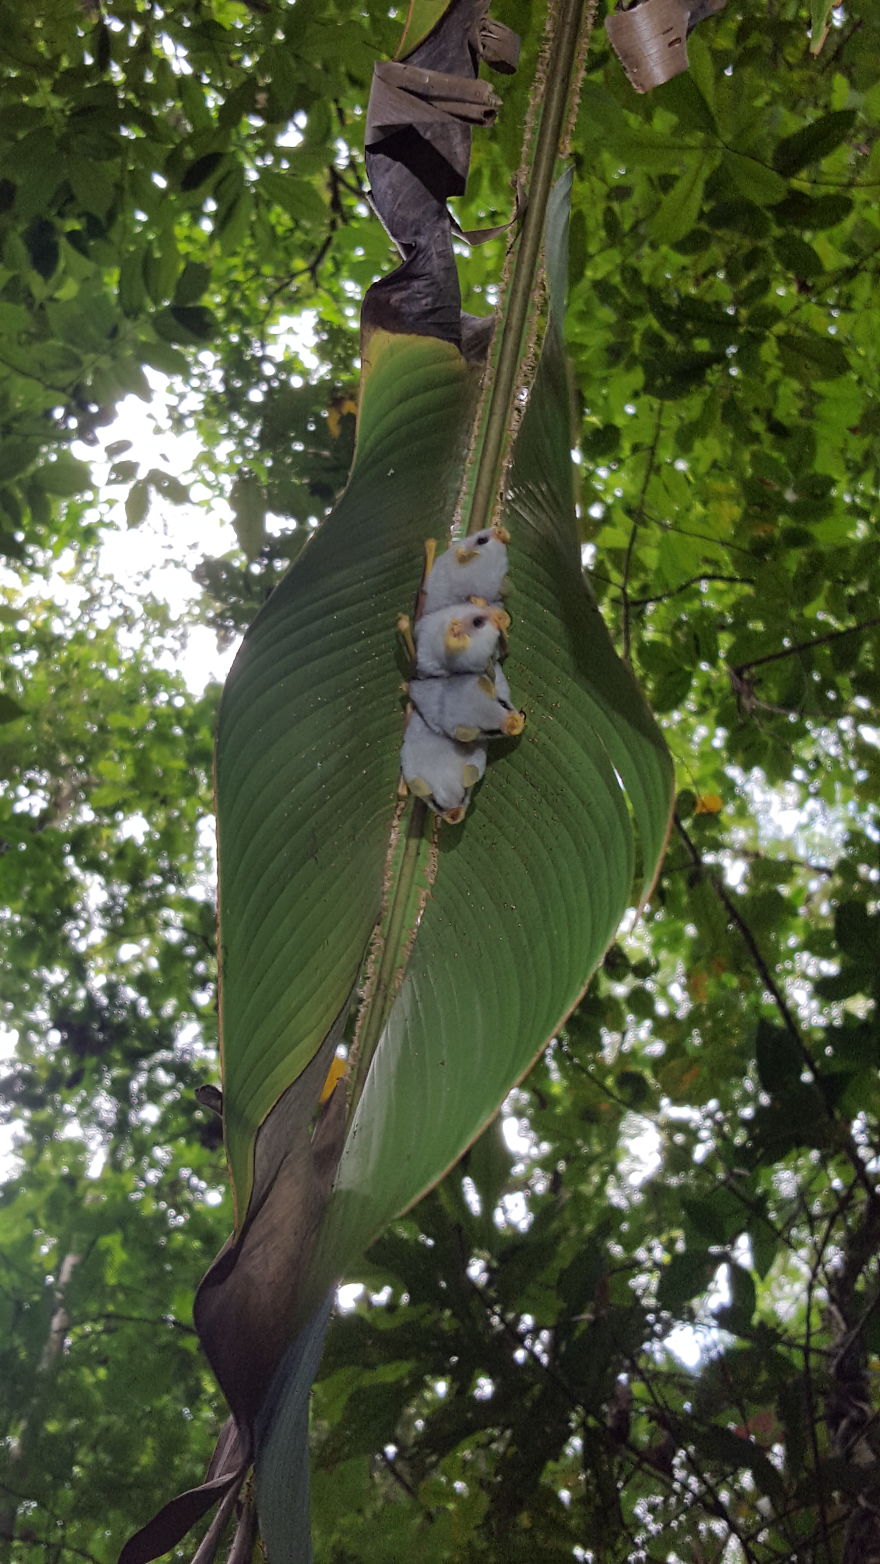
column 679, row 209
column 309, row 737
column 504, row 953
column 248, row 504
column 814, row 142
column 137, row 503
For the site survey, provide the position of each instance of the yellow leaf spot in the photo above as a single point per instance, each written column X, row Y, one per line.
column 708, row 804
column 334, row 1075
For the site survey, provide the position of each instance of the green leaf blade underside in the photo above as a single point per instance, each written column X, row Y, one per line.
column 309, row 736
column 530, row 890
column 422, row 17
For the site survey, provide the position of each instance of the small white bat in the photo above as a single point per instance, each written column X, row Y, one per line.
column 463, row 638
column 473, row 567
column 438, row 769
column 467, row 707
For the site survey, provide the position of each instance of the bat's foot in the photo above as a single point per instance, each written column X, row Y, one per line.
column 404, row 627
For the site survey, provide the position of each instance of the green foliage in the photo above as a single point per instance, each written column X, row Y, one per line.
column 699, row 1146
column 306, row 789
column 148, row 207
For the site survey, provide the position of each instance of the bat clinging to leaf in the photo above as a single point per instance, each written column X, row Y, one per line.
column 438, row 769
column 466, row 708
column 460, row 697
column 463, row 638
column 474, row 567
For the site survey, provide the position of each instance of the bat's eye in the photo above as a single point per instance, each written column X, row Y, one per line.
column 483, row 538
column 479, row 621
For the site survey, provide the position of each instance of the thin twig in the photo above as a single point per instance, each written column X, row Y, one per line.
column 806, row 646
column 750, row 942
column 661, row 597
column 638, row 516
column 134, row 1319
column 404, row 1482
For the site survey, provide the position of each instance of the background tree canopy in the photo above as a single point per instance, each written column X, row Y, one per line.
column 640, row 1320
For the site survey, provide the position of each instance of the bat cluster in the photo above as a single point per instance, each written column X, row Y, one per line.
column 459, row 695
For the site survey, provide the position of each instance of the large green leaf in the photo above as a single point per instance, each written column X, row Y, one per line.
column 528, row 894
column 309, row 734
column 530, row 890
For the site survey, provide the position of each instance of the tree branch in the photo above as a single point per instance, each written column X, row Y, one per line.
column 661, row 597
column 750, row 942
column 806, row 646
column 638, row 517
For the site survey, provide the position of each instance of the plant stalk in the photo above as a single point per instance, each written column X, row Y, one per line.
column 492, row 445
column 397, row 931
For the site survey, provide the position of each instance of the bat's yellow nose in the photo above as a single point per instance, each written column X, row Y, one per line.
column 456, row 637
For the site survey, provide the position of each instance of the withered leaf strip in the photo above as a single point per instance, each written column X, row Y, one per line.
column 418, row 147
column 247, row 1307
column 226, row 1472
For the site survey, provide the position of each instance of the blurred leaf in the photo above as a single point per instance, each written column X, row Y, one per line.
column 679, row 209
column 685, row 1277
column 813, row 142
column 779, row 1059
column 137, row 503
column 248, row 514
column 64, row 476
column 10, row 709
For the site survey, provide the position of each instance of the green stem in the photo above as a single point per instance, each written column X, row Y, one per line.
column 399, row 924
column 493, row 443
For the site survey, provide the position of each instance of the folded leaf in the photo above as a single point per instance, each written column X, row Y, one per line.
column 529, row 893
